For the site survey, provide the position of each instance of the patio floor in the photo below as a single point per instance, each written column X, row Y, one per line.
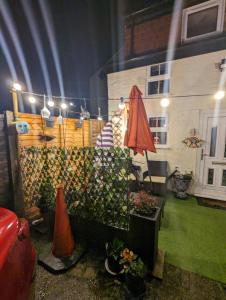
column 194, row 238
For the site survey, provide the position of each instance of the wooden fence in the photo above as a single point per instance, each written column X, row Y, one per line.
column 69, row 134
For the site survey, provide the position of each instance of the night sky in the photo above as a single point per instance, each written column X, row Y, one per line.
column 88, row 33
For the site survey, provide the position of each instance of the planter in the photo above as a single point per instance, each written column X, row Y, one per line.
column 135, row 285
column 182, row 184
column 112, row 266
column 143, row 236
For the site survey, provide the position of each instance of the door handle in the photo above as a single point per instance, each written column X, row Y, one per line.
column 203, row 154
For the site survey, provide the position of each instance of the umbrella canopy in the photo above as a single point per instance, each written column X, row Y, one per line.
column 138, row 135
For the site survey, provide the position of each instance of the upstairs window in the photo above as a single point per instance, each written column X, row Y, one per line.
column 158, row 79
column 202, row 20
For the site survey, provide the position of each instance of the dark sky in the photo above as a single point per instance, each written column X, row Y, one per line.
column 88, row 33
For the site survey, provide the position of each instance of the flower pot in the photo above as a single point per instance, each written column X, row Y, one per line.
column 135, row 285
column 112, row 266
column 181, row 185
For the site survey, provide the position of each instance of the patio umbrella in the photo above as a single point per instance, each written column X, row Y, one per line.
column 138, row 134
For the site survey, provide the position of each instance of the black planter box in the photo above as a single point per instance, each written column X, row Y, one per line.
column 142, row 236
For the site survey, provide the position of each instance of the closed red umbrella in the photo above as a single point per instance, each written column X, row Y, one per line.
column 138, row 135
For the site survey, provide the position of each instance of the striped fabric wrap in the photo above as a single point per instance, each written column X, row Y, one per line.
column 105, row 138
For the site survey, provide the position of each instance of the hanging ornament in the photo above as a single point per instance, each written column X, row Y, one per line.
column 193, row 141
column 22, row 127
column 45, row 113
column 60, row 119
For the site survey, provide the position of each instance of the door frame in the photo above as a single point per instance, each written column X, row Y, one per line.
column 200, row 189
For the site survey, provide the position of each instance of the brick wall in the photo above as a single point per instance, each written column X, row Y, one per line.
column 4, row 178
column 150, row 35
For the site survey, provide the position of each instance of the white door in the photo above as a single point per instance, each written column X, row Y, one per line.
column 213, row 158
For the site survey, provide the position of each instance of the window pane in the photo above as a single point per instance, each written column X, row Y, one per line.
column 223, row 178
column 201, row 22
column 152, row 87
column 161, row 122
column 210, row 176
column 153, row 122
column 160, row 138
column 163, row 68
column 213, row 141
column 163, row 86
column 154, row 70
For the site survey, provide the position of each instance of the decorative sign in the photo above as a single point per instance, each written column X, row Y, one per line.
column 22, row 127
column 193, row 141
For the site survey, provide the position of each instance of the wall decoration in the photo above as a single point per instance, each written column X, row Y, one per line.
column 193, row 141
column 22, row 127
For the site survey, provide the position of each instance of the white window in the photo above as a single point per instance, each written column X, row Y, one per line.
column 159, row 128
column 158, row 81
column 202, row 20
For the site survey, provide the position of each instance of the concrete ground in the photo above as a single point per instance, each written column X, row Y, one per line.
column 88, row 281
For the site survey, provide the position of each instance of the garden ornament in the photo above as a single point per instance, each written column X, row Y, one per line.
column 193, row 141
column 22, row 127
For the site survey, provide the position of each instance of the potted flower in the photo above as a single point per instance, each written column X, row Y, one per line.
column 182, row 183
column 135, row 271
column 114, row 250
column 144, row 204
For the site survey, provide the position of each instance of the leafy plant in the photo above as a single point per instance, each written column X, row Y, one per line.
column 115, row 248
column 46, row 197
column 132, row 264
column 143, row 203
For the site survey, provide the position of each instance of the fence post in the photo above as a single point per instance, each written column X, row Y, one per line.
column 15, row 179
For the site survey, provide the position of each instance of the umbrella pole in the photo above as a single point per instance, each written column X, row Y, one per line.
column 146, row 154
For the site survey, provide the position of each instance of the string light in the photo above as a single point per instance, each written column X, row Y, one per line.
column 165, row 102
column 71, row 104
column 219, row 95
column 32, row 99
column 50, row 103
column 17, row 86
column 63, row 105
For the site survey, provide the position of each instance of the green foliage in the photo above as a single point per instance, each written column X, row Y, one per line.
column 143, row 203
column 137, row 268
column 47, row 195
column 95, row 180
column 115, row 248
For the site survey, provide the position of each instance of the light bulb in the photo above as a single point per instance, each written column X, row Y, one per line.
column 219, row 95
column 51, row 103
column 32, row 100
column 165, row 102
column 71, row 104
column 99, row 118
column 17, row 86
column 63, row 105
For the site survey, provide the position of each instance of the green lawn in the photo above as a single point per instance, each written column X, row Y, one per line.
column 194, row 238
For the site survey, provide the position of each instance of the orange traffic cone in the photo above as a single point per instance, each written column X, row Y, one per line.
column 63, row 241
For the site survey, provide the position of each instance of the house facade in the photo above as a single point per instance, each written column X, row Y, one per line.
column 176, row 58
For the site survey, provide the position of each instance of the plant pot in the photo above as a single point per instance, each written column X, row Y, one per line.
column 135, row 285
column 181, row 185
column 112, row 266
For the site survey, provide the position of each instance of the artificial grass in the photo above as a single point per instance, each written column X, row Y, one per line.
column 194, row 238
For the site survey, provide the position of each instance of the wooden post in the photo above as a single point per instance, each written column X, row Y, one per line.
column 15, row 104
column 13, row 164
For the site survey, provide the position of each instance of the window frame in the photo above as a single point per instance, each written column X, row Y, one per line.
column 159, row 77
column 197, row 8
column 161, row 129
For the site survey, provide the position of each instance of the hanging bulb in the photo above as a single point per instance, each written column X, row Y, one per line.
column 165, row 102
column 121, row 104
column 60, row 119
column 32, row 99
column 17, row 86
column 99, row 118
column 50, row 102
column 63, row 105
column 45, row 113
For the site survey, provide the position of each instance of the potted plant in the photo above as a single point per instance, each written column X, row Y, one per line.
column 182, row 183
column 112, row 262
column 135, row 271
column 144, row 204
